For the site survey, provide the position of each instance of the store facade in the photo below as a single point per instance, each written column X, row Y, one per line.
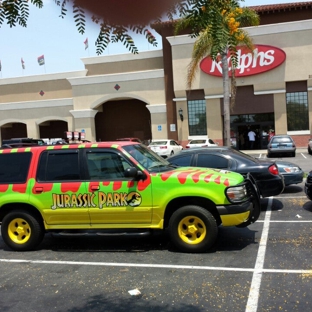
column 145, row 95
column 274, row 87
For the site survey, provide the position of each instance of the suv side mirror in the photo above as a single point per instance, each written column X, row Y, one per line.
column 133, row 172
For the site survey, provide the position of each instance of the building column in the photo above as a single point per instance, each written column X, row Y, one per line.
column 280, row 113
column 159, row 121
column 32, row 129
column 310, row 104
column 214, row 120
column 183, row 129
column 84, row 121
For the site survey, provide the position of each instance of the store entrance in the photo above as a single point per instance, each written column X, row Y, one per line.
column 240, row 139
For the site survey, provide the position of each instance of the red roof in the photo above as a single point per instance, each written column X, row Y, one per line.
column 281, row 6
column 260, row 9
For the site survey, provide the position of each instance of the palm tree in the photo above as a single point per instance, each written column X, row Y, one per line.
column 216, row 25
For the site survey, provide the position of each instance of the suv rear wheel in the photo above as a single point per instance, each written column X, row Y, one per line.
column 193, row 229
column 21, row 231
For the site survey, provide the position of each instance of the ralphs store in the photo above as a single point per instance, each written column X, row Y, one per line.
column 274, row 82
column 145, row 95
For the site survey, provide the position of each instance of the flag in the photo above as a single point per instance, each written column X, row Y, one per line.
column 0, row 66
column 41, row 60
column 23, row 63
column 86, row 44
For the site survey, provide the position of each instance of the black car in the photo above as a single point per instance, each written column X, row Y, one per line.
column 308, row 186
column 265, row 172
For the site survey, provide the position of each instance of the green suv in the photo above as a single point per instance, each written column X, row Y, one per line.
column 117, row 187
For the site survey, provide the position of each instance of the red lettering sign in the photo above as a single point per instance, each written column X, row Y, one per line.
column 262, row 59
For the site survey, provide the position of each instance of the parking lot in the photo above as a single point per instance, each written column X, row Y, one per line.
column 265, row 267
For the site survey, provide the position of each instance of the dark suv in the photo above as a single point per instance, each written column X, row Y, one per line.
column 21, row 142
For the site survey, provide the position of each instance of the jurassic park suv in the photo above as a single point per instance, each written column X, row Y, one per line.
column 117, row 187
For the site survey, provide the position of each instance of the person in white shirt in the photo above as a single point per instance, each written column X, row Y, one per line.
column 252, row 138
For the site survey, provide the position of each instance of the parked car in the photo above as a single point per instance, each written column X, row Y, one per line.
column 201, row 143
column 130, row 139
column 265, row 172
column 165, row 148
column 281, row 144
column 21, row 142
column 308, row 186
column 291, row 172
column 310, row 146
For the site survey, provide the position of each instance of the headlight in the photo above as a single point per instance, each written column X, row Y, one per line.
column 292, row 169
column 236, row 193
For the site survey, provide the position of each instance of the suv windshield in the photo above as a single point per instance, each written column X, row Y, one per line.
column 148, row 159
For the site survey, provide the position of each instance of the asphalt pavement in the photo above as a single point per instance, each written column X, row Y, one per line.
column 264, row 267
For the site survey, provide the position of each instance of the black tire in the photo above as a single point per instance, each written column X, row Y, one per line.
column 172, row 152
column 293, row 154
column 309, row 150
column 193, row 229
column 21, row 231
column 269, row 155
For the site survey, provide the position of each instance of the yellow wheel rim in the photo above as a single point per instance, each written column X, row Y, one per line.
column 19, row 231
column 192, row 230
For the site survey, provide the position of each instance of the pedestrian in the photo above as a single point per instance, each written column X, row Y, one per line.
column 252, row 138
column 271, row 134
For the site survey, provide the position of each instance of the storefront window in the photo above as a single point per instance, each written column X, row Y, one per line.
column 297, row 111
column 197, row 117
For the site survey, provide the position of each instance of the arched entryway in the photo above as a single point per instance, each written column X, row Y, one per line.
column 13, row 130
column 53, row 129
column 123, row 118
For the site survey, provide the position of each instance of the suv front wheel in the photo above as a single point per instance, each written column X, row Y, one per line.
column 21, row 231
column 193, row 229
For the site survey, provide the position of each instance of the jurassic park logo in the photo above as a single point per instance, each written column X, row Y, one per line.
column 101, row 200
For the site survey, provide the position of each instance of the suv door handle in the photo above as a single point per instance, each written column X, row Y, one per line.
column 95, row 187
column 38, row 189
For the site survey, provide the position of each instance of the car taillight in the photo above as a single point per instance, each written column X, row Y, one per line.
column 163, row 147
column 187, row 146
column 273, row 169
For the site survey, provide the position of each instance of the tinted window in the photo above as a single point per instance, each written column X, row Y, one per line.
column 281, row 140
column 14, row 167
column 198, row 142
column 212, row 161
column 159, row 143
column 59, row 166
column 183, row 161
column 106, row 165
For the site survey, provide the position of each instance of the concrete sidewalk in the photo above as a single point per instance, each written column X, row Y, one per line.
column 264, row 151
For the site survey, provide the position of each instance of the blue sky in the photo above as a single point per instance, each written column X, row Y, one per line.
column 59, row 41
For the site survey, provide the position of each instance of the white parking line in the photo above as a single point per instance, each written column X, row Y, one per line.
column 289, row 221
column 252, row 303
column 292, row 197
column 158, row 266
column 303, row 155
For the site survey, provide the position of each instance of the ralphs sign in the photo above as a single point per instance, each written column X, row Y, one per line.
column 263, row 58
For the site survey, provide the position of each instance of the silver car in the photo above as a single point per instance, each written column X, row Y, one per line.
column 282, row 144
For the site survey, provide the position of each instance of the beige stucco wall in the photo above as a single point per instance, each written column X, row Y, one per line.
column 76, row 97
